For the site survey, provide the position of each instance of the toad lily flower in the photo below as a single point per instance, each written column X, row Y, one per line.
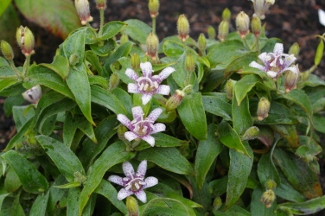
column 147, row 85
column 275, row 63
column 134, row 183
column 142, row 128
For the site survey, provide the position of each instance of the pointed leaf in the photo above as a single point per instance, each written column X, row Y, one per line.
column 111, row 29
column 7, row 82
column 74, row 45
column 60, row 65
column 245, row 85
column 217, row 106
column 305, row 208
column 241, row 116
column 39, row 205
column 137, row 30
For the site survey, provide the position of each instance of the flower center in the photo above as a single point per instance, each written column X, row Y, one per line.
column 147, row 85
column 142, row 128
column 135, row 183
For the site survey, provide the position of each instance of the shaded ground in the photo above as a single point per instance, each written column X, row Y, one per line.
column 290, row 20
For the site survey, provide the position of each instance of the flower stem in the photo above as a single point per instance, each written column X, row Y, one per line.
column 26, row 65
column 154, row 25
column 101, row 24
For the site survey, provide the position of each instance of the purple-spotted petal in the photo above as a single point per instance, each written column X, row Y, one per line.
column 127, row 169
column 294, row 69
column 272, row 74
column 146, row 68
column 263, row 57
column 150, row 182
column 133, row 88
column 122, row 194
column 289, row 60
column 142, row 168
column 154, row 114
column 166, row 72
column 141, row 195
column 163, row 89
column 137, row 112
column 124, row 120
column 116, row 179
column 159, row 127
column 146, row 97
column 278, row 49
column 149, row 139
column 130, row 73
column 129, row 135
column 254, row 64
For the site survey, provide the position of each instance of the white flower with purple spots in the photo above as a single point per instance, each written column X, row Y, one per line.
column 140, row 127
column 147, row 85
column 276, row 62
column 134, row 183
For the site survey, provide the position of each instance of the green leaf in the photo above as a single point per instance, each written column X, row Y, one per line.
column 289, row 133
column 245, row 85
column 229, row 137
column 217, row 106
column 305, row 208
column 298, row 173
column 241, row 116
column 137, row 30
column 106, row 189
column 65, row 160
column 113, row 155
column 60, row 65
column 257, row 207
column 9, row 22
column 39, row 205
column 173, row 48
column 73, row 201
column 319, row 123
column 162, row 140
column 111, row 29
column 233, row 211
column 168, row 159
column 239, row 169
column 16, row 208
column 266, row 169
column 47, row 15
column 192, row 115
column 79, row 85
column 7, row 82
column 32, row 180
column 206, row 153
column 74, row 45
column 4, row 5
column 47, row 77
column 94, row 60
column 11, row 182
column 287, row 192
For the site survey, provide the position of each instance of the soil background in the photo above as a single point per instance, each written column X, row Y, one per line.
column 290, row 20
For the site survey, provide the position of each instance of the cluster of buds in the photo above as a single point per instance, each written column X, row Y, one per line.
column 183, row 27
column 83, row 11
column 25, row 40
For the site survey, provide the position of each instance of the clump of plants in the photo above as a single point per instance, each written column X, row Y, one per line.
column 124, row 123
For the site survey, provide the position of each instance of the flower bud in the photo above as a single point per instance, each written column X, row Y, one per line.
column 183, row 27
column 217, row 203
column 135, row 61
column 223, row 30
column 229, row 88
column 226, row 14
column 261, row 7
column 82, row 7
column 211, row 33
column 114, row 80
column 291, row 79
column 263, row 108
column 124, row 38
column 132, row 206
column 25, row 40
column 202, row 42
column 242, row 24
column 294, row 49
column 79, row 177
column 121, row 131
column 101, row 4
column 74, row 59
column 268, row 198
column 256, row 25
column 33, row 94
column 190, row 63
column 319, row 52
column 175, row 100
column 6, row 50
column 270, row 185
column 153, row 6
column 152, row 46
column 251, row 133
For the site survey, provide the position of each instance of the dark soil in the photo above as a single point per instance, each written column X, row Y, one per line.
column 290, row 20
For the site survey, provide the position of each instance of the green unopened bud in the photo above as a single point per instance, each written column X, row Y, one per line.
column 211, row 33
column 256, row 25
column 291, row 79
column 132, row 206
column 242, row 24
column 190, row 63
column 121, row 131
column 294, row 49
column 79, row 177
column 25, row 40
column 217, row 203
column 124, row 38
column 175, row 100
column 202, row 42
column 6, row 50
column 152, row 46
column 251, row 133
column 74, row 59
column 183, row 27
column 261, row 7
column 263, row 108
column 135, row 61
column 33, row 94
column 270, row 184
column 82, row 7
column 268, row 198
column 229, row 88
column 319, row 52
column 223, row 30
column 226, row 14
column 101, row 4
column 153, row 6
column 114, row 80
